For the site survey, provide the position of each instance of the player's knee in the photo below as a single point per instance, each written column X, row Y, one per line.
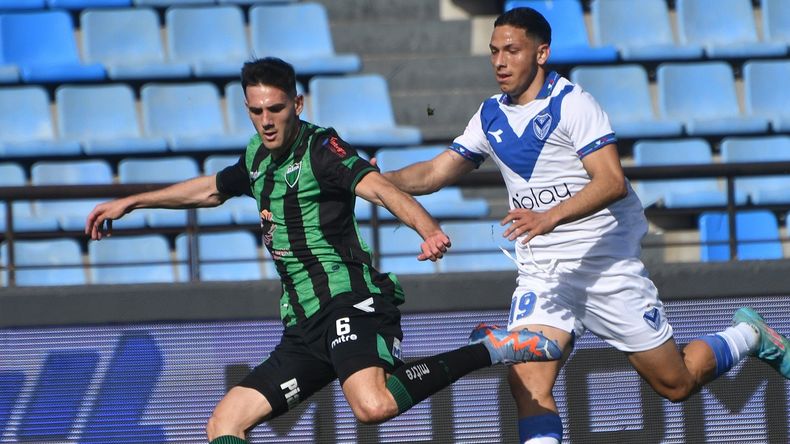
column 220, row 425
column 374, row 411
column 676, row 392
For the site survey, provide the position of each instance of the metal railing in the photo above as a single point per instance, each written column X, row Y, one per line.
column 729, row 171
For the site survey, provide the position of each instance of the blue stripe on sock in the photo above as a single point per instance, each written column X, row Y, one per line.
column 548, row 425
column 724, row 359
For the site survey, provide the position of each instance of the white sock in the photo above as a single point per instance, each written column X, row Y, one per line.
column 742, row 339
column 542, row 440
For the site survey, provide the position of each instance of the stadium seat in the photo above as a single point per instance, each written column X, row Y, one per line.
column 642, row 33
column 767, row 93
column 168, row 170
column 150, row 253
column 237, row 248
column 188, row 115
column 703, row 96
column 243, row 208
column 20, row 5
column 218, row 53
column 239, row 120
column 359, row 108
column 448, row 202
column 9, row 73
column 165, row 3
column 761, row 189
column 26, row 128
column 299, row 33
column 776, row 21
column 725, row 28
column 475, row 247
column 398, row 250
column 82, row 4
column 569, row 42
column 129, row 44
column 757, row 233
column 63, row 255
column 12, row 175
column 103, row 119
column 679, row 193
column 42, row 44
column 71, row 213
column 624, row 93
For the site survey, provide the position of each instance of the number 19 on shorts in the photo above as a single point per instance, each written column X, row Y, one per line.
column 521, row 306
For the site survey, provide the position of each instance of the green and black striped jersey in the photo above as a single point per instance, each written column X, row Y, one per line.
column 306, row 202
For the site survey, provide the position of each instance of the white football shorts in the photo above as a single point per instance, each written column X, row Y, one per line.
column 611, row 297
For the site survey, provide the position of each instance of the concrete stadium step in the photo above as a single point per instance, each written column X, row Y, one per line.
column 382, row 10
column 441, row 115
column 403, row 37
column 433, row 71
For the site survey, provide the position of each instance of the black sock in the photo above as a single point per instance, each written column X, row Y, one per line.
column 417, row 380
column 227, row 439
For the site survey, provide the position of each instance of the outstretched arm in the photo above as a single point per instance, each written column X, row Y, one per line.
column 192, row 193
column 607, row 185
column 430, row 175
column 378, row 190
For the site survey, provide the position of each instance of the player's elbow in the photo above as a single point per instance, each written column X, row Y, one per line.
column 374, row 412
column 618, row 189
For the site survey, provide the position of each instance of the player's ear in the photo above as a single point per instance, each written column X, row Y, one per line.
column 543, row 53
column 299, row 103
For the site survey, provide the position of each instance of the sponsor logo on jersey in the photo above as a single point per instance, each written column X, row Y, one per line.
column 497, row 135
column 653, row 318
column 396, row 351
column 334, row 145
column 343, row 338
column 366, row 305
column 291, row 389
column 292, row 174
column 537, row 198
column 541, row 125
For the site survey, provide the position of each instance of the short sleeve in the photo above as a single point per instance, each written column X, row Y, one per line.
column 585, row 123
column 473, row 145
column 337, row 164
column 234, row 180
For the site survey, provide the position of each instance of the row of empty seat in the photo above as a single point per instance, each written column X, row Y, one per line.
column 103, row 119
column 127, row 43
column 235, row 255
column 622, row 29
column 22, row 5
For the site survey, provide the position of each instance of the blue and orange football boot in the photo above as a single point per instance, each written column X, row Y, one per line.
column 512, row 347
column 773, row 346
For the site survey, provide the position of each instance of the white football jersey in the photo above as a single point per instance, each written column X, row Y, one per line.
column 538, row 147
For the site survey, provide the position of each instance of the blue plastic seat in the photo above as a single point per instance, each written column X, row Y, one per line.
column 359, row 108
column 26, row 128
column 239, row 120
column 761, row 189
column 151, row 254
column 167, row 170
column 756, row 231
column 12, row 175
column 42, row 44
column 767, row 93
column 448, row 202
column 238, row 248
column 702, row 95
column 642, row 33
column 103, row 119
column 726, row 28
column 398, row 251
column 82, row 4
column 163, row 3
column 624, row 93
column 299, row 33
column 475, row 247
column 776, row 21
column 164, row 107
column 21, row 5
column 71, row 213
column 129, row 44
column 243, row 208
column 63, row 255
column 569, row 42
column 679, row 193
column 220, row 52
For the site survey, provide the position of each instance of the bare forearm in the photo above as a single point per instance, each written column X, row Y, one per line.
column 597, row 195
column 416, row 179
column 410, row 212
column 197, row 192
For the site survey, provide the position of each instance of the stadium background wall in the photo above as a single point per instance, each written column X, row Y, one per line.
column 146, row 364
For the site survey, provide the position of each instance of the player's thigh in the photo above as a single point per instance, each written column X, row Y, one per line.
column 241, row 408
column 291, row 374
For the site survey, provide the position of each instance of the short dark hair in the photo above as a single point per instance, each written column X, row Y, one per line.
column 269, row 71
column 528, row 19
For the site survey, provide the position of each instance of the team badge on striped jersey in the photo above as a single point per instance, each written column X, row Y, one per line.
column 292, row 174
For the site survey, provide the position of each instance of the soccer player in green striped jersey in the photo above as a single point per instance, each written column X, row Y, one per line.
column 339, row 313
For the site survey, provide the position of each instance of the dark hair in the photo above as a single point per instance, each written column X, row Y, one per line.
column 269, row 71
column 528, row 19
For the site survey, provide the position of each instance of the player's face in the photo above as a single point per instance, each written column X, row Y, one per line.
column 274, row 114
column 516, row 58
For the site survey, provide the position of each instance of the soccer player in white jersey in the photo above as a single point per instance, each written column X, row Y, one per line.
column 578, row 226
